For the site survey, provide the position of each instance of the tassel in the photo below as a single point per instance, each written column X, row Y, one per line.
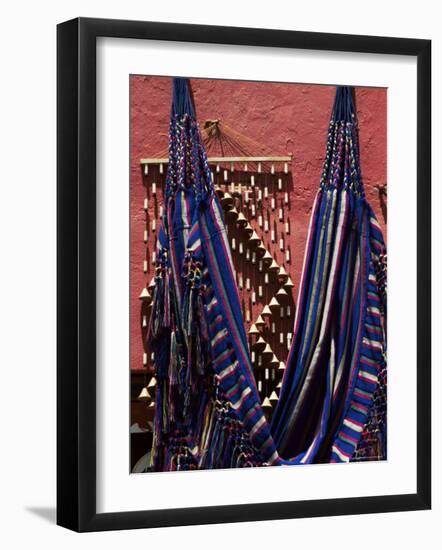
column 195, row 332
column 173, row 364
column 160, row 317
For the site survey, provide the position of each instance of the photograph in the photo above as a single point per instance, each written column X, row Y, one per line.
column 220, row 275
column 243, row 284
column 258, row 273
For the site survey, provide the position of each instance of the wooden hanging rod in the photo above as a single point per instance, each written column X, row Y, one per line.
column 212, row 160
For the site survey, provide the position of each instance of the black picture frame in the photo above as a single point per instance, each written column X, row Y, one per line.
column 76, row 273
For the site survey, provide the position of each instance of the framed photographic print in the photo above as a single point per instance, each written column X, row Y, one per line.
column 227, row 202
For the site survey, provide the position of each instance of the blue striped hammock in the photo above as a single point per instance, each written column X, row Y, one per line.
column 208, row 411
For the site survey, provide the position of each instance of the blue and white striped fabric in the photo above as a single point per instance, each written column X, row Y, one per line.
column 208, row 410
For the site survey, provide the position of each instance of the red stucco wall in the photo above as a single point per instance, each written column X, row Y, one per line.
column 287, row 118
